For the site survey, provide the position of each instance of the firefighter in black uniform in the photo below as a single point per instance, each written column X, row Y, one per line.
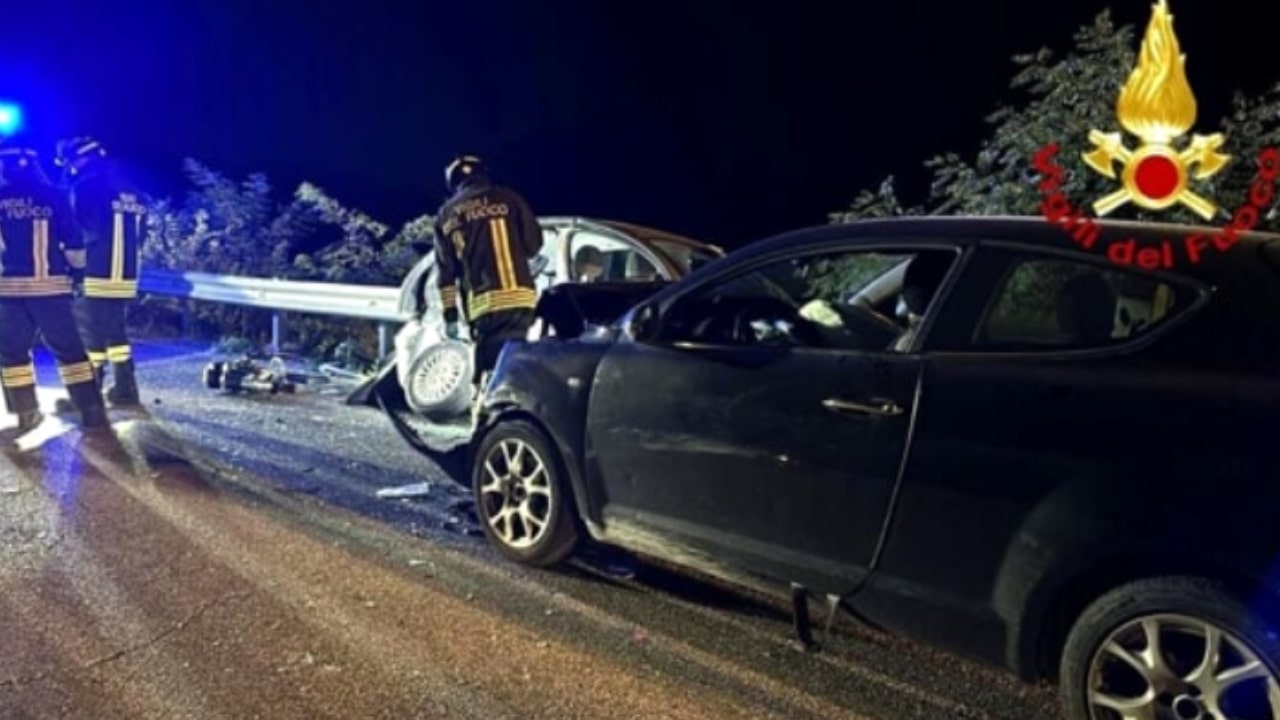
column 485, row 236
column 42, row 255
column 112, row 215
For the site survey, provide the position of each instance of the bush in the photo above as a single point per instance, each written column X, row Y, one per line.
column 1063, row 99
column 230, row 227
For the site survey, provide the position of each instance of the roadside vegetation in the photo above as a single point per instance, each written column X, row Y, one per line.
column 239, row 226
column 1059, row 99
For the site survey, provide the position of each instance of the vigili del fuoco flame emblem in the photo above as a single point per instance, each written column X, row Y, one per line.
column 1158, row 107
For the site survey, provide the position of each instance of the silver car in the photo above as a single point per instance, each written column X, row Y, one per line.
column 435, row 374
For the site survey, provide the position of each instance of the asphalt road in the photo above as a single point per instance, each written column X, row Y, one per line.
column 229, row 556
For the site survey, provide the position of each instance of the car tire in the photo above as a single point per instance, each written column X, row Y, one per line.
column 540, row 526
column 438, row 385
column 1106, row 651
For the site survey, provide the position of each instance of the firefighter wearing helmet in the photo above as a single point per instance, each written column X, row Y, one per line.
column 111, row 214
column 41, row 254
column 485, row 236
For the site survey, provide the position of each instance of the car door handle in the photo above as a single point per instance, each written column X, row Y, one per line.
column 877, row 407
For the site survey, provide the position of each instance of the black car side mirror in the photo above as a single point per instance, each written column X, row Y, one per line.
column 642, row 326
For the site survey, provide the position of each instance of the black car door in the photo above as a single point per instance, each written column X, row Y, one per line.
column 778, row 456
column 1032, row 391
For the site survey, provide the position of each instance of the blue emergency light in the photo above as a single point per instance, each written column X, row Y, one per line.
column 10, row 118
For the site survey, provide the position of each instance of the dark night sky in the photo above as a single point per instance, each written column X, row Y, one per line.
column 706, row 117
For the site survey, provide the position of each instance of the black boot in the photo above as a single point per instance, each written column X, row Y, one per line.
column 124, row 391
column 87, row 399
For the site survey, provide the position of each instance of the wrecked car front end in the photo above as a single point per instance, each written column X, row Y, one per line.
column 549, row 375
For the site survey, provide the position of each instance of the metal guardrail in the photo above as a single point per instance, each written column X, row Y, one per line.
column 368, row 302
column 380, row 304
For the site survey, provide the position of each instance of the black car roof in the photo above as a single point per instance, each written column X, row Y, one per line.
column 1029, row 230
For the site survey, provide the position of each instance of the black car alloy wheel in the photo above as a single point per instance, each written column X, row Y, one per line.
column 522, row 497
column 1172, row 648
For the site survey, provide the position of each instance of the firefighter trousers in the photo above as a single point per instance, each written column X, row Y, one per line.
column 101, row 323
column 51, row 317
column 492, row 331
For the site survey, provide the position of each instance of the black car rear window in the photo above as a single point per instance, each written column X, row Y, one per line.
column 1051, row 303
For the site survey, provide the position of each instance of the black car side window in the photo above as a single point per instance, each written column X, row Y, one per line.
column 1058, row 304
column 843, row 300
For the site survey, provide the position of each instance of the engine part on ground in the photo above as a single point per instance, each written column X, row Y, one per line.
column 246, row 375
column 438, row 384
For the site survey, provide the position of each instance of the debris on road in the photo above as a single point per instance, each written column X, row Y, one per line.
column 246, row 374
column 256, row 372
column 462, row 527
column 406, row 491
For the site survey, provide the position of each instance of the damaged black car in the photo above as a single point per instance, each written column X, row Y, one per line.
column 966, row 430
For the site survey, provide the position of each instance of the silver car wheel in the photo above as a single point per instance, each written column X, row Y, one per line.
column 1175, row 667
column 516, row 498
column 437, row 376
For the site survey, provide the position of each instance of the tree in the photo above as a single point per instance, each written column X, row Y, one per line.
column 414, row 240
column 882, row 203
column 227, row 227
column 223, row 226
column 231, row 227
column 363, row 254
column 1065, row 98
column 355, row 257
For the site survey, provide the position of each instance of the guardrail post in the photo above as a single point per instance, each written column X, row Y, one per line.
column 276, row 329
column 382, row 340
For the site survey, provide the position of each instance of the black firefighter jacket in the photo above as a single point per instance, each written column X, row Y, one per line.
column 485, row 236
column 37, row 237
column 112, row 215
